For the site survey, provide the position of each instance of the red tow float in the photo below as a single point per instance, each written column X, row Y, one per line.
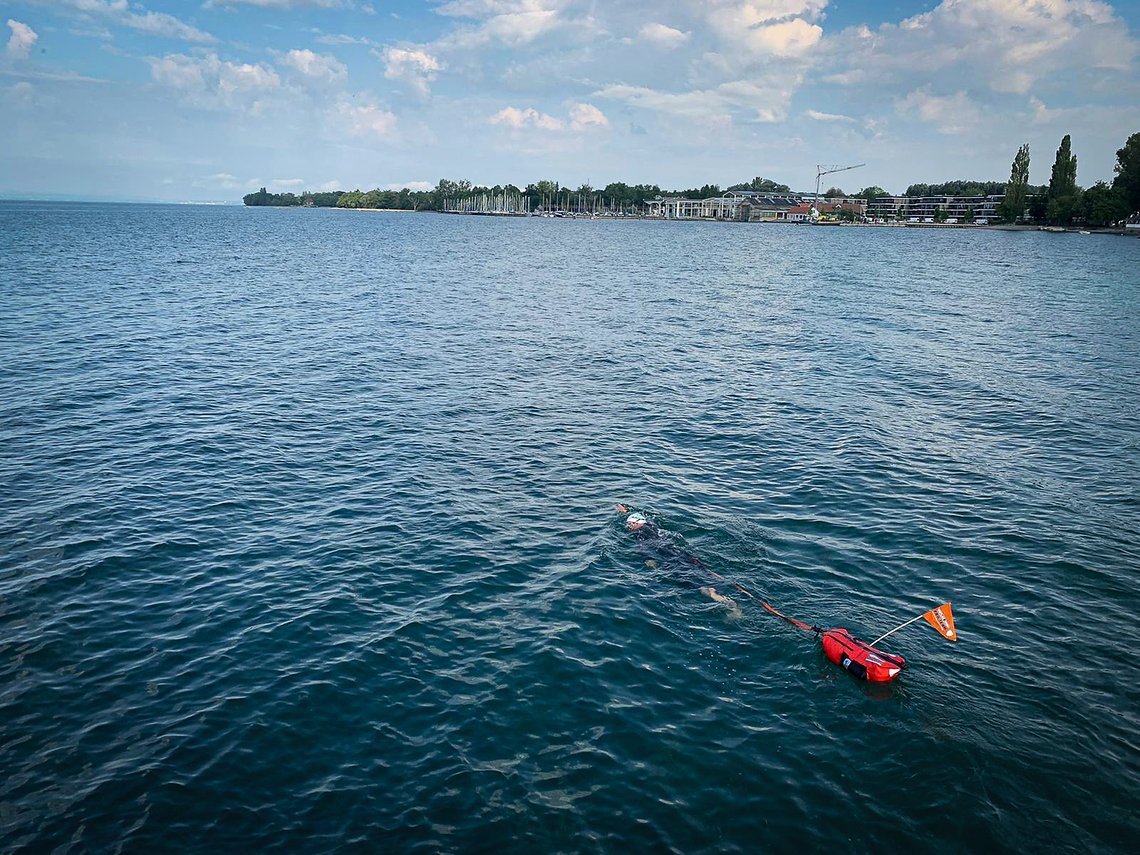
column 857, row 657
column 864, row 660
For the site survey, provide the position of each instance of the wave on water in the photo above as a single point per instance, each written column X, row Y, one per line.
column 309, row 540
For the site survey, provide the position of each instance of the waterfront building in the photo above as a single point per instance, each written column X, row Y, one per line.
column 737, row 205
column 801, row 213
column 765, row 207
column 834, row 209
column 924, row 209
column 752, row 207
column 887, row 208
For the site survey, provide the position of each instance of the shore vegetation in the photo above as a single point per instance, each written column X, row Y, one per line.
column 1062, row 202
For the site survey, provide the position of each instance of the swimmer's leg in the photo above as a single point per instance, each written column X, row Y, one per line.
column 728, row 602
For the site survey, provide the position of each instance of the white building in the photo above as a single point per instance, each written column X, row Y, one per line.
column 924, row 208
column 737, row 205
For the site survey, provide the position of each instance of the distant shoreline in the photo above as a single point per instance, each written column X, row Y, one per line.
column 996, row 227
column 375, row 210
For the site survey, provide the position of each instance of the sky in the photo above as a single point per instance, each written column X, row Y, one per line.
column 206, row 100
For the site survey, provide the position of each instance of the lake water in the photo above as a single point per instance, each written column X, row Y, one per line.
column 308, row 541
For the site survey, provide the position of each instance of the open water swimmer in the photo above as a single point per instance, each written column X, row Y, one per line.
column 682, row 567
column 855, row 656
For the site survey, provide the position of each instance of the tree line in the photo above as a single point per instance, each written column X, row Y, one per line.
column 1063, row 202
column 292, row 200
column 545, row 193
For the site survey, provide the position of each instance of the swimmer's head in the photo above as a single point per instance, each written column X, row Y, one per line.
column 635, row 521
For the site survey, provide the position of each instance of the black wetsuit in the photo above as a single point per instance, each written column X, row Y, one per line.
column 682, row 567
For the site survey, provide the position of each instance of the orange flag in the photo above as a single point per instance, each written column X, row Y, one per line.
column 942, row 619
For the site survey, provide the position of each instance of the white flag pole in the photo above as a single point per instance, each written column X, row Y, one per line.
column 897, row 628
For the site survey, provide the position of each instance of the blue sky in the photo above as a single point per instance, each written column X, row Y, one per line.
column 209, row 99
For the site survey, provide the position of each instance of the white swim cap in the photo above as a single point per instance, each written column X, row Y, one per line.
column 634, row 519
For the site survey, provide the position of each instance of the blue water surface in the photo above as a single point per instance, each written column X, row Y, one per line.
column 307, row 540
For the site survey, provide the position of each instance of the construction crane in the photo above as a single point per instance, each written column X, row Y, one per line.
column 822, row 170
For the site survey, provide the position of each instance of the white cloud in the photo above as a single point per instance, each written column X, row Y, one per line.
column 329, row 186
column 343, row 39
column 827, row 117
column 695, row 105
column 21, row 41
column 764, row 98
column 365, row 120
column 700, row 106
column 22, row 94
column 1003, row 45
column 788, row 38
column 220, row 180
column 246, row 77
column 283, row 4
column 413, row 66
column 513, row 117
column 662, row 35
column 62, row 76
column 208, row 81
column 288, row 183
column 846, row 78
column 761, row 100
column 514, row 22
column 781, row 28
column 950, row 114
column 409, row 185
column 584, row 116
column 152, row 23
column 315, row 66
column 521, row 27
column 581, row 117
column 1061, row 120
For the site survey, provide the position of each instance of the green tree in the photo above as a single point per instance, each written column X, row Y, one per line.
column 321, row 200
column 1127, row 180
column 968, row 217
column 1064, row 175
column 759, row 184
column 940, row 215
column 1062, row 198
column 1062, row 210
column 1012, row 207
column 619, row 191
column 872, row 192
column 261, row 197
column 958, row 187
column 1102, row 205
column 834, row 193
column 276, row 200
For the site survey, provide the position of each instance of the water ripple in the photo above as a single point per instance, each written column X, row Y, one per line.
column 308, row 541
